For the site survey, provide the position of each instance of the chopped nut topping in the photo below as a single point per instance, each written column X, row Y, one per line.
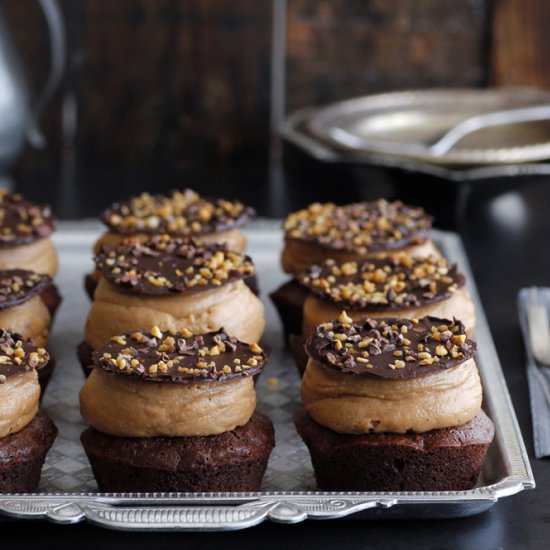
column 179, row 356
column 18, row 354
column 22, row 221
column 19, row 285
column 388, row 282
column 359, row 227
column 378, row 345
column 181, row 213
column 165, row 264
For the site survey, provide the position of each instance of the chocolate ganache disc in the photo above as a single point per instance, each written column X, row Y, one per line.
column 18, row 354
column 390, row 348
column 22, row 221
column 179, row 357
column 181, row 213
column 165, row 265
column 19, row 285
column 359, row 227
column 389, row 282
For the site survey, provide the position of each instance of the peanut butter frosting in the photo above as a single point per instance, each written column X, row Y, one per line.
column 181, row 213
column 392, row 375
column 18, row 286
column 360, row 404
column 232, row 306
column 359, row 227
column 166, row 265
column 22, row 221
column 459, row 304
column 171, row 383
column 19, row 388
column 387, row 282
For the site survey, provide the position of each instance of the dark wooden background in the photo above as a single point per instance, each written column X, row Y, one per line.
column 174, row 92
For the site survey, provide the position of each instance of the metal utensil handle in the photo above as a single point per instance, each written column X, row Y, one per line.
column 496, row 118
column 56, row 30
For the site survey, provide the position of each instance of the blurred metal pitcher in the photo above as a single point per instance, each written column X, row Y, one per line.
column 18, row 115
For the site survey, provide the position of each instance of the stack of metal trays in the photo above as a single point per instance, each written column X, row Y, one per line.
column 457, row 134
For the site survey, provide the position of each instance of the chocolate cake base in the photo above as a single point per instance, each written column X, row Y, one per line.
column 22, row 455
column 296, row 345
column 232, row 461
column 45, row 374
column 289, row 301
column 90, row 284
column 447, row 459
column 84, row 354
column 52, row 299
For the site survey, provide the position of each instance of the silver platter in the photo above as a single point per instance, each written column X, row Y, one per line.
column 68, row 494
column 405, row 124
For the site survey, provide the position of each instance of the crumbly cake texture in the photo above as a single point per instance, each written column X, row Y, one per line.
column 22, row 221
column 22, row 455
column 359, row 227
column 447, row 459
column 19, row 285
column 183, row 213
column 390, row 348
column 231, row 461
column 179, row 357
column 166, row 265
column 390, row 282
column 18, row 354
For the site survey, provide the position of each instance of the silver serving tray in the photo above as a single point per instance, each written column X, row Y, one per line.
column 68, row 494
column 406, row 124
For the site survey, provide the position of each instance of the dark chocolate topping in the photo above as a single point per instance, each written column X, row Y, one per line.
column 181, row 213
column 392, row 282
column 18, row 354
column 359, row 227
column 179, row 356
column 390, row 348
column 166, row 265
column 22, row 221
column 19, row 285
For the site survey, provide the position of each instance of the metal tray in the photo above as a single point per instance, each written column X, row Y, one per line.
column 68, row 494
column 294, row 130
column 405, row 124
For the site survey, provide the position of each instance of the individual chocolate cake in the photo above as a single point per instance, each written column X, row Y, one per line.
column 393, row 405
column 173, row 411
column 23, row 311
column 26, row 434
column 172, row 283
column 180, row 214
column 390, row 285
column 25, row 243
column 345, row 233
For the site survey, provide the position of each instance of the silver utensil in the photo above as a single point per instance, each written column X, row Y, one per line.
column 427, row 126
column 539, row 328
column 487, row 120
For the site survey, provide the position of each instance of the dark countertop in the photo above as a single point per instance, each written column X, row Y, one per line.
column 506, row 239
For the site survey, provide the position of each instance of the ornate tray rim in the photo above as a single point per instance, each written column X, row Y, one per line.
column 231, row 511
column 292, row 130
